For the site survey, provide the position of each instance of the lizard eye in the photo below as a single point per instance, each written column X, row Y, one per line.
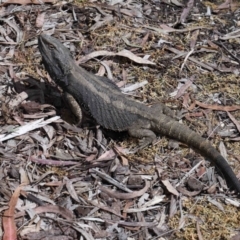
column 51, row 47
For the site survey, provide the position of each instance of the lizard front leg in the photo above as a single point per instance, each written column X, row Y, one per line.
column 74, row 107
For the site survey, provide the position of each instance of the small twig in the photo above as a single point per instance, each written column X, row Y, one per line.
column 185, row 60
column 225, row 48
column 111, row 180
column 187, row 175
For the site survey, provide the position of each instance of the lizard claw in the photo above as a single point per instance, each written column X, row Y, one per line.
column 129, row 151
column 142, row 144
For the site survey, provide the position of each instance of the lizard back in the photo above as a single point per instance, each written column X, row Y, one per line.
column 104, row 100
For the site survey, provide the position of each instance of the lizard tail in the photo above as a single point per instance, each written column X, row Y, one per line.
column 184, row 134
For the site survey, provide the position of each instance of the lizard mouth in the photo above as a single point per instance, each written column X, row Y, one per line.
column 42, row 47
column 41, row 43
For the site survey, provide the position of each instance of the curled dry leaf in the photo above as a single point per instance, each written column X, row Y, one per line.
column 194, row 184
column 170, row 187
column 107, row 155
column 24, row 2
column 24, row 176
column 137, row 224
column 55, row 209
column 183, row 88
column 133, row 57
column 154, row 201
column 40, row 20
column 53, row 162
column 106, row 208
column 177, row 3
column 10, row 230
column 123, row 53
column 18, row 99
column 134, row 86
column 119, row 195
column 185, row 192
column 186, row 11
column 234, row 120
column 71, row 190
column 218, row 107
column 26, row 128
column 132, row 12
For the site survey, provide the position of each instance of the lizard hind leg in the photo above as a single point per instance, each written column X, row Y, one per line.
column 147, row 136
column 161, row 108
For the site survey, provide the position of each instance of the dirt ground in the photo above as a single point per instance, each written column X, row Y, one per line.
column 65, row 180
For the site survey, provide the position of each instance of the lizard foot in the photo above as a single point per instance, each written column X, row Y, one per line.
column 147, row 137
column 144, row 142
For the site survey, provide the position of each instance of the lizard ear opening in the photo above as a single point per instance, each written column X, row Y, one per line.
column 71, row 55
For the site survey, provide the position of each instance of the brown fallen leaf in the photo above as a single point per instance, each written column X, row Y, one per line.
column 40, row 19
column 132, row 13
column 53, row 162
column 200, row 237
column 10, row 229
column 218, row 107
column 119, row 195
column 105, row 208
column 64, row 212
column 191, row 116
column 201, row 171
column 24, row 2
column 228, row 4
column 186, row 11
column 181, row 53
column 126, row 207
column 137, row 224
column 123, row 53
column 183, row 88
column 193, row 39
column 32, row 198
column 107, row 155
column 234, row 120
column 185, row 192
column 170, row 187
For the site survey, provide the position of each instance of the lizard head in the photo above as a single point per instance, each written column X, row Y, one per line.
column 56, row 58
